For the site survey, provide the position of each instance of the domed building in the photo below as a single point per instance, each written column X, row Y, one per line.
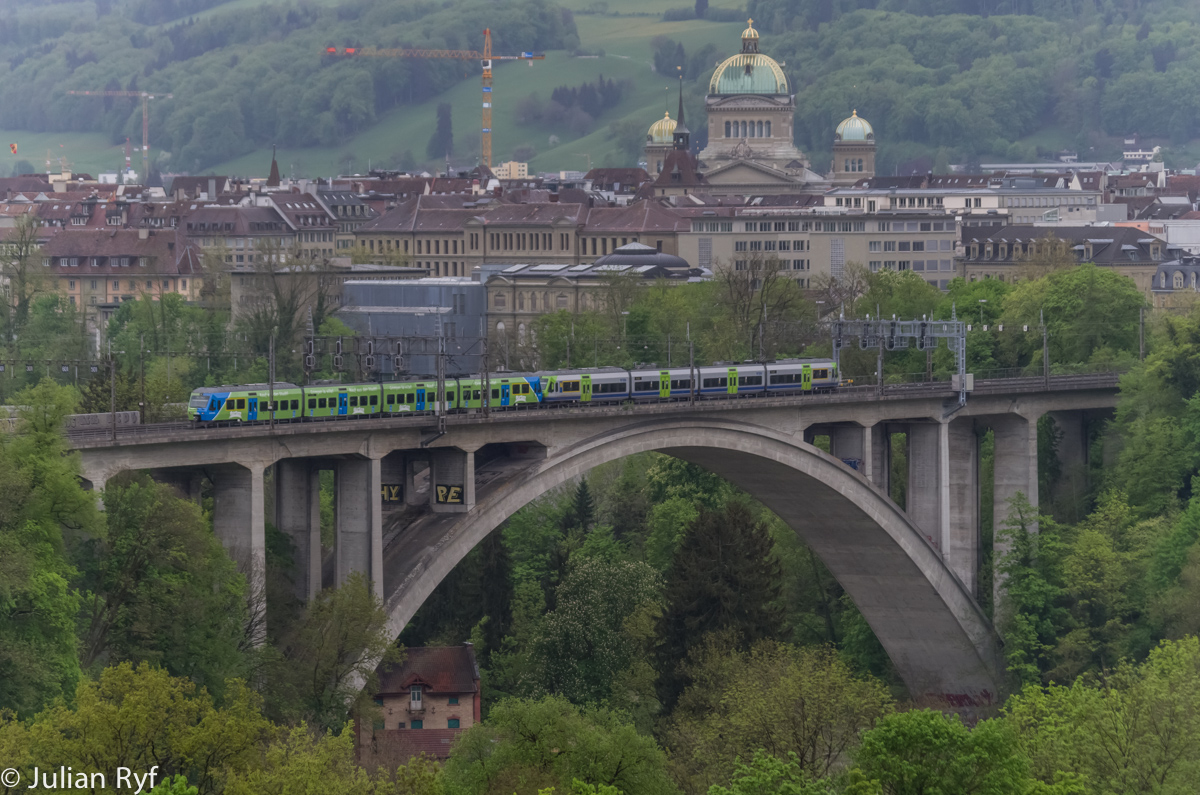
column 853, row 151
column 659, row 141
column 750, row 114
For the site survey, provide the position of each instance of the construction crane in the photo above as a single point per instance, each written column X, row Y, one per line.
column 146, row 97
column 485, row 58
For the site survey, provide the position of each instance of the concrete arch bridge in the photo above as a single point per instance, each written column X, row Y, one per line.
column 413, row 500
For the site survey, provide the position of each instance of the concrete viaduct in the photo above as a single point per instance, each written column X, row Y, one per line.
column 912, row 573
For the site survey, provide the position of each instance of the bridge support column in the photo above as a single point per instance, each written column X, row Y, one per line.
column 452, row 480
column 239, row 523
column 359, row 513
column 962, row 551
column 924, row 496
column 877, row 455
column 298, row 515
column 1015, row 439
column 848, row 442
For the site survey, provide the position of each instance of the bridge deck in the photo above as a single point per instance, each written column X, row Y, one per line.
column 188, row 431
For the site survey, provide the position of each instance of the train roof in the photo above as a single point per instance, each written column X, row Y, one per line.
column 209, row 390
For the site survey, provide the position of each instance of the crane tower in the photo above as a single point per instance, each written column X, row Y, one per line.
column 485, row 58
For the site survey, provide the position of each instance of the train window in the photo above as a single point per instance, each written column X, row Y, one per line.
column 412, row 398
column 312, row 403
column 709, row 382
column 241, row 403
column 749, row 380
column 374, row 400
column 295, row 405
column 477, row 394
column 681, row 383
column 449, row 397
column 391, row 400
column 354, row 400
column 321, row 403
column 820, row 373
column 724, row 382
column 495, row 394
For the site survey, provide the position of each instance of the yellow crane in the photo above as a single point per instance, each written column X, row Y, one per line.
column 146, row 97
column 485, row 58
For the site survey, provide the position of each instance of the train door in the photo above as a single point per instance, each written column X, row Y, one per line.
column 806, row 378
column 342, row 404
column 252, row 413
column 420, row 397
column 733, row 385
column 585, row 388
column 504, row 392
column 664, row 384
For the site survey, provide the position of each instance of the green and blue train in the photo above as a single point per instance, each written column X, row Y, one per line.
column 284, row 402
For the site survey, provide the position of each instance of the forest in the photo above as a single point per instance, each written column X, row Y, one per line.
column 942, row 81
column 647, row 628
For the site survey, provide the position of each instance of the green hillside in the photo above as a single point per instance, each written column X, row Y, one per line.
column 942, row 80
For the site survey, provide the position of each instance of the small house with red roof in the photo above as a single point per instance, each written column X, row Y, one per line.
column 423, row 704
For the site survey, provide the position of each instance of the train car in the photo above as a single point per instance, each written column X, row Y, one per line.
column 731, row 380
column 244, row 402
column 672, row 384
column 607, row 384
column 801, row 375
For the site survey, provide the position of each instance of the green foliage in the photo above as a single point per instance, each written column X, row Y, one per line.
column 1136, row 731
column 770, row 775
column 724, row 577
column 140, row 716
column 41, row 508
column 583, row 644
column 800, row 704
column 175, row 785
column 160, row 588
column 926, row 753
column 524, row 746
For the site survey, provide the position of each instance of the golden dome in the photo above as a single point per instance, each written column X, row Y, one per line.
column 750, row 32
column 854, row 128
column 748, row 73
column 661, row 131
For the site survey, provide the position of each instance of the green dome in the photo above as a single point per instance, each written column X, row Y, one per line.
column 854, row 129
column 748, row 73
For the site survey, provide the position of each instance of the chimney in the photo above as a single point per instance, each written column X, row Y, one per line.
column 212, row 189
column 553, row 198
column 143, row 233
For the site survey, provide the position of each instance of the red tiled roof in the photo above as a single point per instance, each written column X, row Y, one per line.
column 441, row 669
column 98, row 250
column 401, row 745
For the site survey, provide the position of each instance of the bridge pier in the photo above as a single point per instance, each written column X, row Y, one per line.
column 298, row 515
column 961, row 452
column 359, row 512
column 239, row 524
column 452, row 480
column 924, row 498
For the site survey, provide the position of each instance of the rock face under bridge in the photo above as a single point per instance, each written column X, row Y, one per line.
column 912, row 573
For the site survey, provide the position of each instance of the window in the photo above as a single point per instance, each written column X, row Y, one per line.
column 415, row 695
column 312, row 403
column 116, row 284
column 874, row 246
column 452, row 723
column 454, row 699
column 889, row 245
column 418, row 724
column 739, row 245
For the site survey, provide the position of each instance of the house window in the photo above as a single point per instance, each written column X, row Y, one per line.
column 415, row 696
column 418, row 724
column 452, row 700
column 452, row 723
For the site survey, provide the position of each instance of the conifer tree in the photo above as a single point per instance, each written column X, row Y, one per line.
column 441, row 143
column 725, row 576
column 496, row 584
column 583, row 508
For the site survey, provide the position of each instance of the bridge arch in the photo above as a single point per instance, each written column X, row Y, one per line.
column 938, row 638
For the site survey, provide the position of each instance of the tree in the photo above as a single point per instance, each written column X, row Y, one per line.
column 41, row 504
column 338, row 644
column 525, row 746
column 161, row 588
column 724, row 577
column 441, row 143
column 771, row 775
column 582, row 646
column 583, row 508
column 139, row 717
column 764, row 306
column 302, row 760
column 22, row 272
column 497, row 594
column 1135, row 731
column 926, row 753
column 799, row 704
